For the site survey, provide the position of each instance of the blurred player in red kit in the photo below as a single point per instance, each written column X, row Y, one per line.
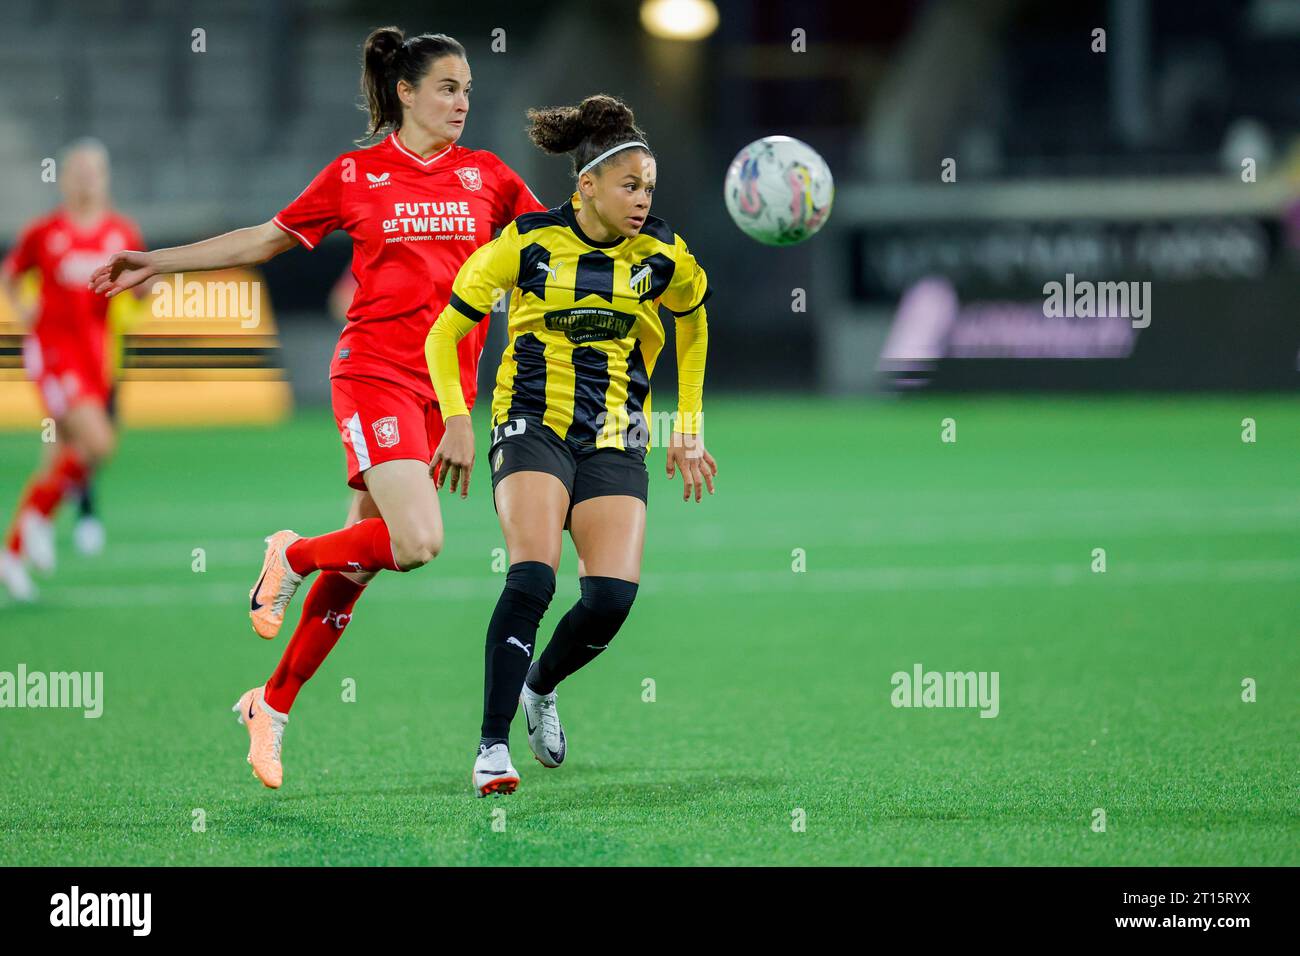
column 416, row 205
column 67, row 352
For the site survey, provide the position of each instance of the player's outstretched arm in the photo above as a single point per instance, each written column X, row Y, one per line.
column 454, row 457
column 243, row 247
column 686, row 451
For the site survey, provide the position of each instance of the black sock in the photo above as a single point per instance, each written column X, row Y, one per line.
column 584, row 632
column 86, row 502
column 511, row 636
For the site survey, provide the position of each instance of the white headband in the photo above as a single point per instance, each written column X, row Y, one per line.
column 610, row 152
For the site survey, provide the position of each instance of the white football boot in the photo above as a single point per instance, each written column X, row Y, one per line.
column 88, row 535
column 493, row 772
column 15, row 577
column 38, row 540
column 545, row 733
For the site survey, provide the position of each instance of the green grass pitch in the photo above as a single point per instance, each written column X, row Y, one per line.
column 1119, row 690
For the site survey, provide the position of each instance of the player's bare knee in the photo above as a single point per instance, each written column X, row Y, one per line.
column 433, row 541
column 416, row 549
column 93, row 451
column 103, row 448
column 409, row 556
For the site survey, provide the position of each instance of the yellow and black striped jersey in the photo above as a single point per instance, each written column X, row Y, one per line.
column 583, row 328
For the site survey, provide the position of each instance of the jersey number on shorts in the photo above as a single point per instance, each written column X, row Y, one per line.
column 509, row 429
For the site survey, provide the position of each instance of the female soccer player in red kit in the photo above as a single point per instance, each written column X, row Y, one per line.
column 66, row 352
column 416, row 206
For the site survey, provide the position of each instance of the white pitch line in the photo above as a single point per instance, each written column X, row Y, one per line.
column 427, row 587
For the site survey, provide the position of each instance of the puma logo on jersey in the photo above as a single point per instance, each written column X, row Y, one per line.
column 526, row 648
column 550, row 270
column 377, row 181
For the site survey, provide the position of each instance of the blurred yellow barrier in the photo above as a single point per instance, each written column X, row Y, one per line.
column 196, row 350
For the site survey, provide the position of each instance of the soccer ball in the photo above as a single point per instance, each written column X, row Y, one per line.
column 779, row 191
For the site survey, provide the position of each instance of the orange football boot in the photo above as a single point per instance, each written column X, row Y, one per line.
column 275, row 588
column 265, row 737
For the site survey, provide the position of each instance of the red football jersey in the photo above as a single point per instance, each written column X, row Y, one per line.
column 413, row 223
column 70, row 320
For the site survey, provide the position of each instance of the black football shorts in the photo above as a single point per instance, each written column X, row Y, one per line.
column 523, row 444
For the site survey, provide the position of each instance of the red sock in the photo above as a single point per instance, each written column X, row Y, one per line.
column 325, row 612
column 364, row 546
column 45, row 491
column 66, row 474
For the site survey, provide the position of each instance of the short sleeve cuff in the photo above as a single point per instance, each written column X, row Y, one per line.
column 295, row 233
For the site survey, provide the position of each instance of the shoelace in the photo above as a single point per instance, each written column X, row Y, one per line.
column 282, row 598
column 499, row 759
column 288, row 585
column 277, row 738
column 550, row 722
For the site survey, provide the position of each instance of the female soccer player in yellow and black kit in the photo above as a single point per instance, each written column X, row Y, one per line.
column 571, row 410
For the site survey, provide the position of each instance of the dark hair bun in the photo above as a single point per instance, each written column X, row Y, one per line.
column 383, row 42
column 586, row 130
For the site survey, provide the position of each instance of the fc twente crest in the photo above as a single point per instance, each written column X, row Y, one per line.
column 470, row 178
column 386, row 431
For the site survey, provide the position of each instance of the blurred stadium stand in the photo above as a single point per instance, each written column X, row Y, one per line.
column 207, row 142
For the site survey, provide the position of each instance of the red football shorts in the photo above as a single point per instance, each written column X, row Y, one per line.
column 380, row 421
column 64, row 378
